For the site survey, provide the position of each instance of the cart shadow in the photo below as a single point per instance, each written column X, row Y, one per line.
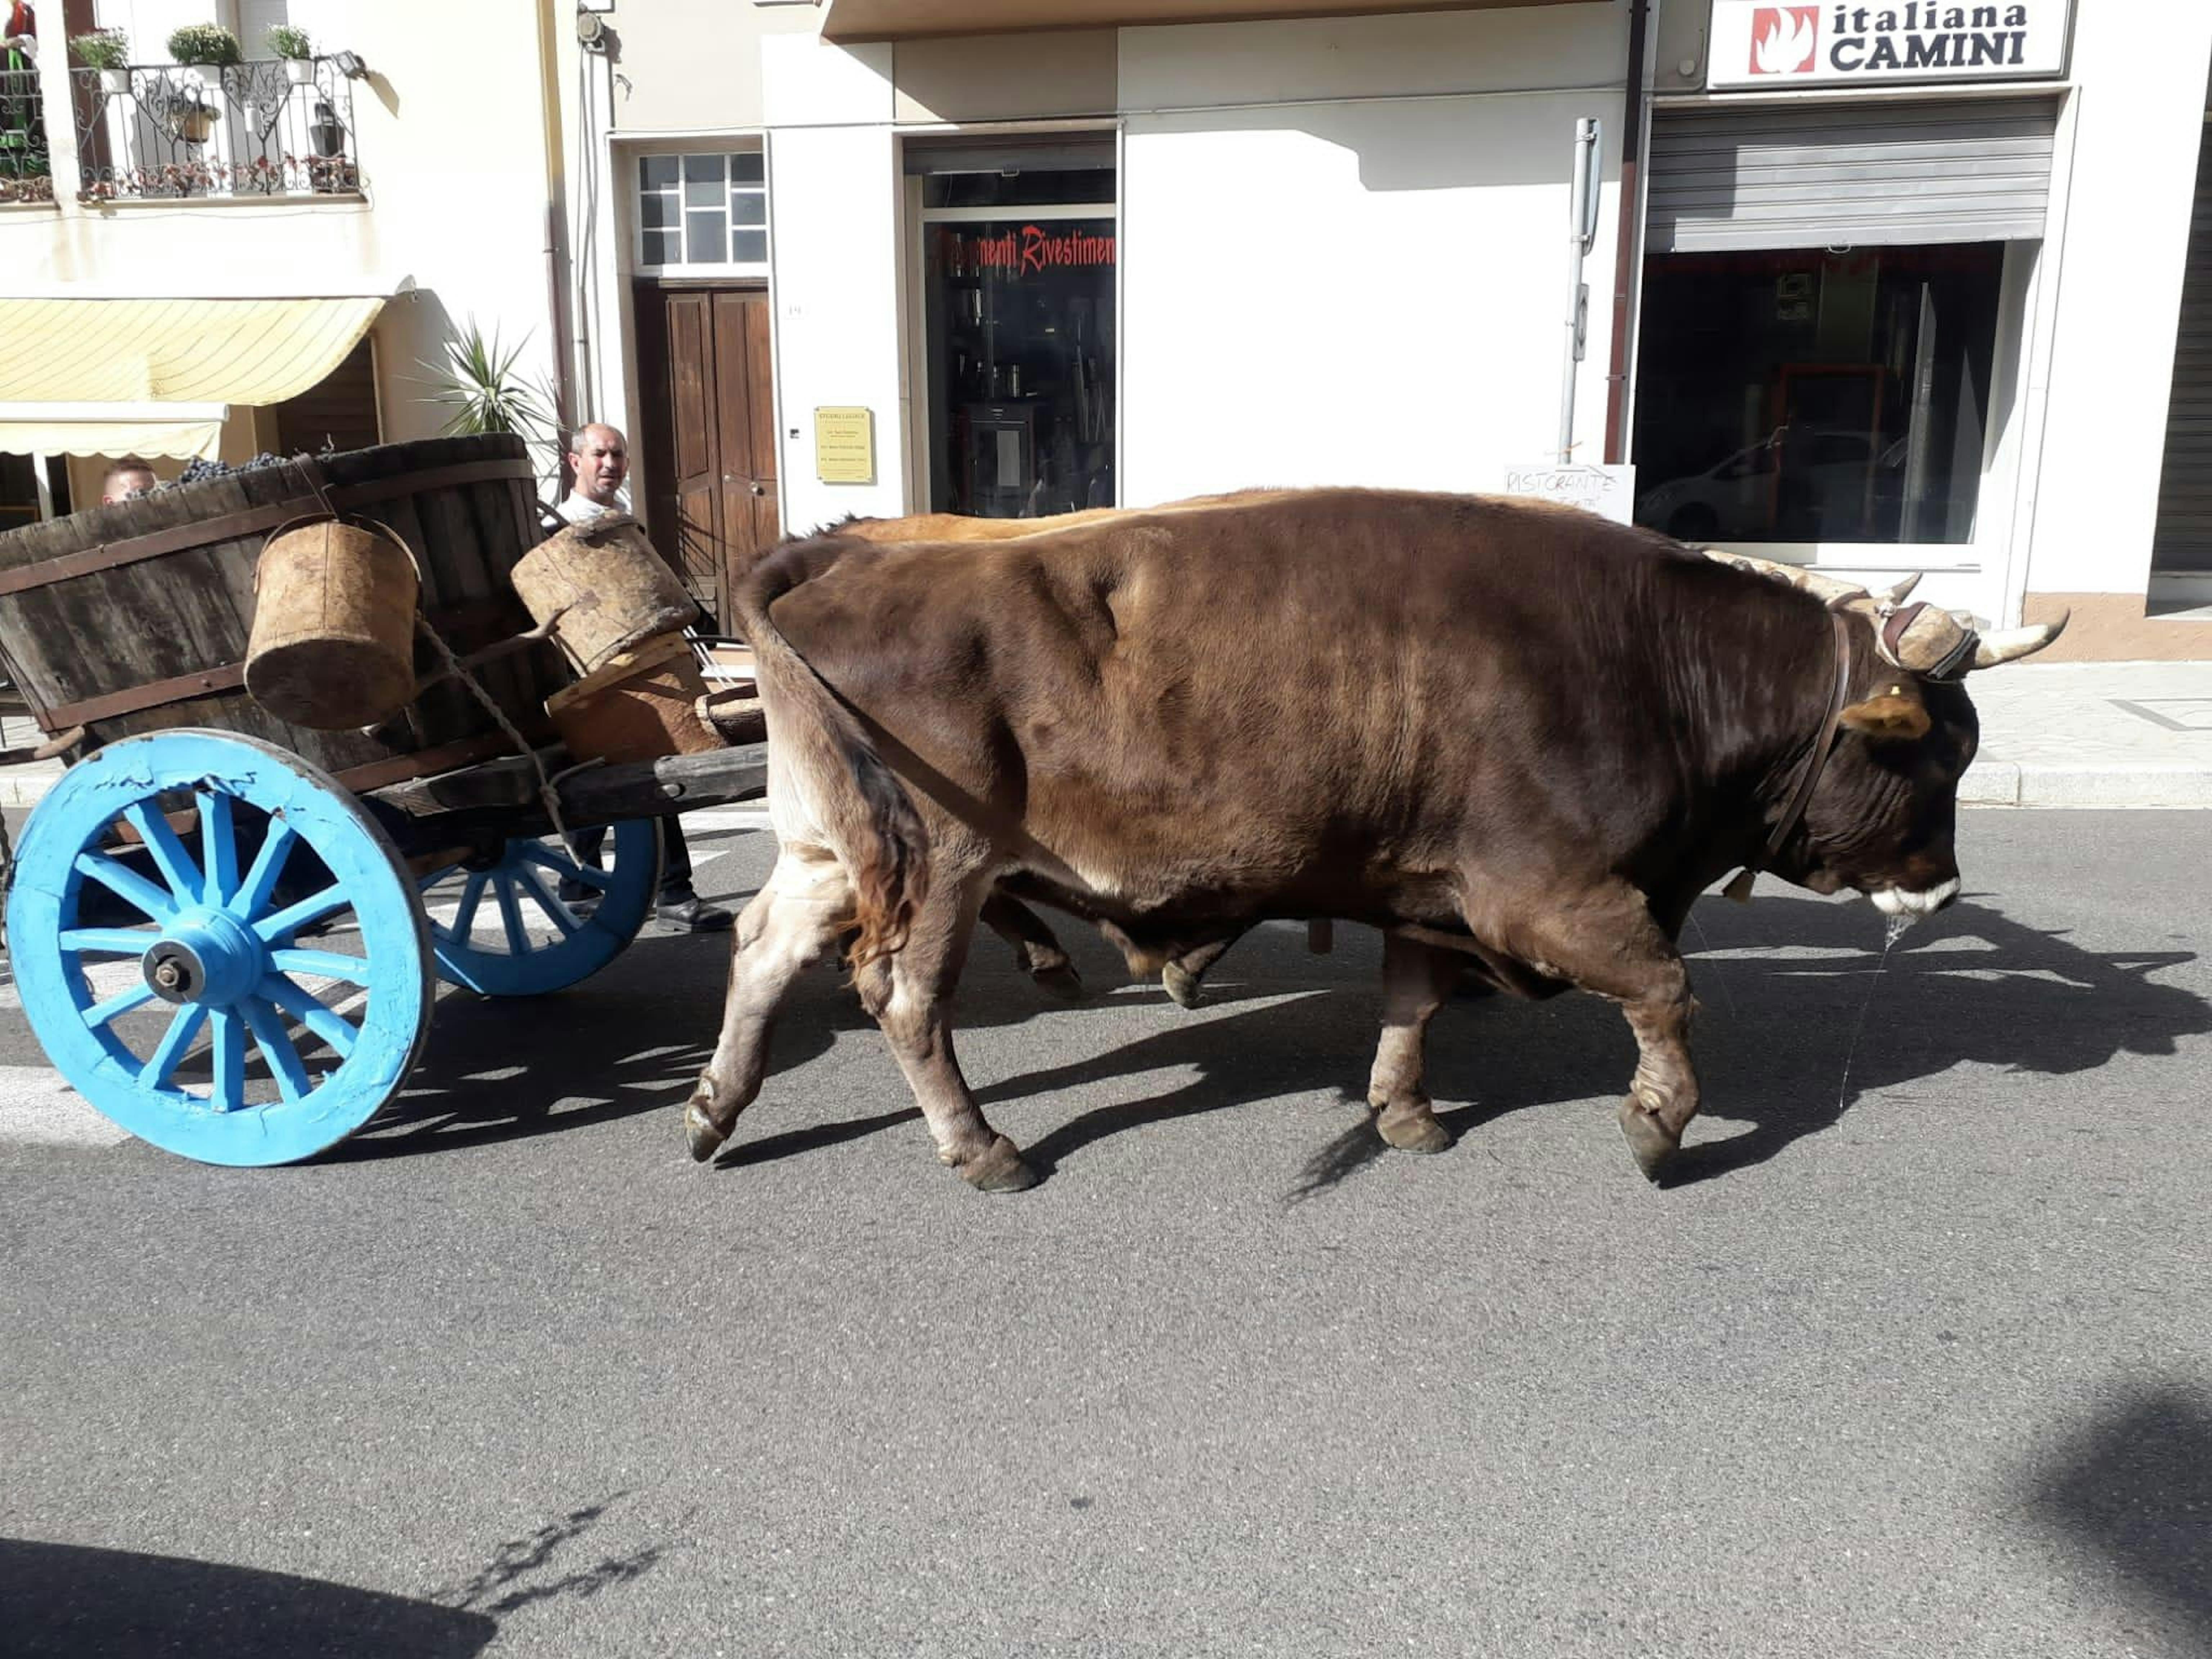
column 69, row 1601
column 1782, row 988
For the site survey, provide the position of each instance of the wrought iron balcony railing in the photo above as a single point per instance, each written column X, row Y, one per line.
column 270, row 127
column 25, row 175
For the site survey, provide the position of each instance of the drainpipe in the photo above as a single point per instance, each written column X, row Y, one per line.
column 556, row 314
column 1627, row 269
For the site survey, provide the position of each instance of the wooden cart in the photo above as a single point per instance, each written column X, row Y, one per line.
column 227, row 930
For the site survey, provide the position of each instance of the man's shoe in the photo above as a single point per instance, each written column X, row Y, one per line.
column 693, row 915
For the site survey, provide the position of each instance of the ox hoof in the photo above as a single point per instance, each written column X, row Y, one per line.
column 1061, row 981
column 700, row 1132
column 1415, row 1131
column 1183, row 985
column 1001, row 1170
column 1650, row 1142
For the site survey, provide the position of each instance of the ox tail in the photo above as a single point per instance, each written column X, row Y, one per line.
column 861, row 807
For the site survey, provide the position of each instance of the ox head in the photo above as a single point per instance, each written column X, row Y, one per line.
column 1883, row 816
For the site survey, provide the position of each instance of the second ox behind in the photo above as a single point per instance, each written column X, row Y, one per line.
column 1512, row 736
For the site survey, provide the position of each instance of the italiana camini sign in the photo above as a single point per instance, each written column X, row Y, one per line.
column 1763, row 47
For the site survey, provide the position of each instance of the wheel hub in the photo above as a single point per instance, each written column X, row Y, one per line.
column 205, row 957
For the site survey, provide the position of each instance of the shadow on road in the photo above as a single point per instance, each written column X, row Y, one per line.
column 2134, row 1491
column 73, row 1603
column 516, row 1576
column 1784, row 986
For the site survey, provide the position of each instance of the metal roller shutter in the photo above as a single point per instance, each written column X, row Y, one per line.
column 2183, row 538
column 1778, row 176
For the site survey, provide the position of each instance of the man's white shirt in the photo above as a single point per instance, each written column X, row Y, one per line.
column 580, row 508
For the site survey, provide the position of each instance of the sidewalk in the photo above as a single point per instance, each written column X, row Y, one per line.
column 2053, row 734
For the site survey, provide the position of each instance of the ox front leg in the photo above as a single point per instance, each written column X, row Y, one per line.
column 1416, row 980
column 910, row 994
column 1606, row 939
column 796, row 916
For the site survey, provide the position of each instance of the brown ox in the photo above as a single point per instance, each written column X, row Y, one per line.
column 1180, row 962
column 1504, row 733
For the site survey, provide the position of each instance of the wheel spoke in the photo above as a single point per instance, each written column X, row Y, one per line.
column 546, row 899
column 465, row 913
column 175, row 863
column 510, row 916
column 156, row 1073
column 268, row 864
column 218, row 848
column 327, row 964
column 301, row 1004
column 276, row 1045
column 556, row 859
column 122, row 1002
column 128, row 885
column 107, row 941
column 447, row 873
column 227, row 1092
column 293, row 917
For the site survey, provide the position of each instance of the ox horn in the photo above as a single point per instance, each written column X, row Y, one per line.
column 1903, row 590
column 2011, row 644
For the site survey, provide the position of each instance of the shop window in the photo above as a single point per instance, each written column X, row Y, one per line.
column 701, row 210
column 1816, row 396
column 1018, row 253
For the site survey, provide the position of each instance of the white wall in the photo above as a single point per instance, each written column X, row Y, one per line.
column 1353, row 294
column 834, row 230
column 1327, row 280
column 2114, row 279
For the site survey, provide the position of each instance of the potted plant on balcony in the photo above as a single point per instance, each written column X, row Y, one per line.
column 107, row 51
column 206, row 49
column 298, row 52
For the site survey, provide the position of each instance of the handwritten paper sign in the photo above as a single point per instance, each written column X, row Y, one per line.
column 1608, row 491
column 845, row 446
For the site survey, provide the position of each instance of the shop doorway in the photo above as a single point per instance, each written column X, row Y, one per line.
column 1016, row 279
column 706, row 456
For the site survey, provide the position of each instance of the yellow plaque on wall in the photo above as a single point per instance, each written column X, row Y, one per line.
column 845, row 446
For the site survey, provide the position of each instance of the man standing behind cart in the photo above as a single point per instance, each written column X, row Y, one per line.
column 600, row 458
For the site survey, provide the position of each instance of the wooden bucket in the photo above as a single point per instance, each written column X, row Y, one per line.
column 611, row 591
column 332, row 646
column 640, row 705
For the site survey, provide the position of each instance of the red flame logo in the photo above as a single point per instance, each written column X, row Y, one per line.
column 1783, row 40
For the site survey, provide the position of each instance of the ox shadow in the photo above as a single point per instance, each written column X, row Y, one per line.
column 69, row 1601
column 2131, row 1493
column 1784, row 987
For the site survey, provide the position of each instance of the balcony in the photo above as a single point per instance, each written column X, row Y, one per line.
column 268, row 128
column 25, row 175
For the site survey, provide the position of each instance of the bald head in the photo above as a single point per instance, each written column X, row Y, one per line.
column 600, row 458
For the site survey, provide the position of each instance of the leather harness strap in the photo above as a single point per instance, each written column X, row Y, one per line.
column 1815, row 764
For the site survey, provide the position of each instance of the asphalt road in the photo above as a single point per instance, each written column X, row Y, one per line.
column 1915, row 1360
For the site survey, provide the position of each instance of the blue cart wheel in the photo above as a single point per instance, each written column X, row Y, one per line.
column 159, row 897
column 535, row 920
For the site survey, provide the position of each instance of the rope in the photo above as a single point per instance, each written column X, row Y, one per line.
column 546, row 793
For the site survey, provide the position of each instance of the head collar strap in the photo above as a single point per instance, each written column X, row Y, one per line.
column 1808, row 777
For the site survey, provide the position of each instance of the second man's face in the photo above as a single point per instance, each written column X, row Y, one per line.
column 601, row 465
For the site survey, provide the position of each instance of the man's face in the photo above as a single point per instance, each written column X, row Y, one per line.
column 601, row 462
column 123, row 485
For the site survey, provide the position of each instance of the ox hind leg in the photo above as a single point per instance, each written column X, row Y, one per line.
column 1606, row 939
column 910, row 993
column 797, row 915
column 1416, row 980
column 1036, row 948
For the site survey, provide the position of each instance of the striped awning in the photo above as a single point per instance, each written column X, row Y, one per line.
column 108, row 377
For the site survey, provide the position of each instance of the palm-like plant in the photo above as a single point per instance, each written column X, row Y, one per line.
column 479, row 383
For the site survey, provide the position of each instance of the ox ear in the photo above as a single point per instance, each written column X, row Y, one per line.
column 1893, row 714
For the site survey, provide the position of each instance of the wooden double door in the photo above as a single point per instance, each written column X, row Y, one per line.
column 706, row 453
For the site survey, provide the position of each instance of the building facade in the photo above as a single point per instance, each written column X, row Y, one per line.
column 1876, row 288
column 269, row 258
column 1890, row 287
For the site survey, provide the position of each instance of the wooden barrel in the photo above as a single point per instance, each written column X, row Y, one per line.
column 610, row 591
column 136, row 617
column 333, row 640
